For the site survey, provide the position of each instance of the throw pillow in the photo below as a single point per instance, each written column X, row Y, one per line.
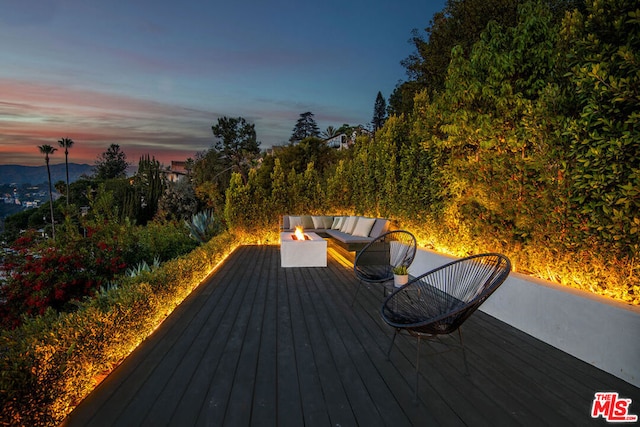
column 294, row 221
column 318, row 222
column 363, row 227
column 337, row 223
column 349, row 225
column 307, row 222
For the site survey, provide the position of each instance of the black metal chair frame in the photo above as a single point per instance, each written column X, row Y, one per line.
column 373, row 264
column 438, row 302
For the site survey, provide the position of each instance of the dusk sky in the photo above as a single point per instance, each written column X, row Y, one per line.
column 154, row 76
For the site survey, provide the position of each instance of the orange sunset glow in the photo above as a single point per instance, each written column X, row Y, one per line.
column 155, row 78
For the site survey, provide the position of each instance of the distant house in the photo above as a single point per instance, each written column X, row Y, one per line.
column 339, row 141
column 274, row 149
column 177, row 171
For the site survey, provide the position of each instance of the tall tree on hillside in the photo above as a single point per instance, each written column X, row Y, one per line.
column 66, row 143
column 210, row 177
column 147, row 187
column 460, row 23
column 305, row 127
column 111, row 164
column 379, row 112
column 237, row 143
column 47, row 150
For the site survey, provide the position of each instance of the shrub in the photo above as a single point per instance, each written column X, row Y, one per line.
column 51, row 362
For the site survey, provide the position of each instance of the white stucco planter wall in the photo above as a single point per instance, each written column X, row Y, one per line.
column 594, row 329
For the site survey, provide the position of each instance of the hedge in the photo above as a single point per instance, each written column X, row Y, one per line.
column 51, row 362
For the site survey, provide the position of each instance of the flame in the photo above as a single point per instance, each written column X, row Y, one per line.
column 299, row 233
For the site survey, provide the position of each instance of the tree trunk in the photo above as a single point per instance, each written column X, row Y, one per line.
column 66, row 163
column 53, row 226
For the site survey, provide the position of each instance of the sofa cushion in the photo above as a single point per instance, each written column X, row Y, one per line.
column 318, row 222
column 337, row 222
column 347, row 238
column 363, row 227
column 349, row 225
column 380, row 227
column 294, row 221
column 343, row 224
column 307, row 222
column 327, row 221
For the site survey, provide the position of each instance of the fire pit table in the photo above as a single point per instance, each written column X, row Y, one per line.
column 310, row 252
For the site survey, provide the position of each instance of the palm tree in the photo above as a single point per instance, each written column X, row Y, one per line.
column 330, row 132
column 66, row 143
column 46, row 150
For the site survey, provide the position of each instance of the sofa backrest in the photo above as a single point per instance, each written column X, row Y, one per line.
column 380, row 227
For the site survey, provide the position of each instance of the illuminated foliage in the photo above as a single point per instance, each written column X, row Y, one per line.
column 604, row 136
column 529, row 149
column 53, row 361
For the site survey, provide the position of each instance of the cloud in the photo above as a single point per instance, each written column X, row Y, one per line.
column 33, row 114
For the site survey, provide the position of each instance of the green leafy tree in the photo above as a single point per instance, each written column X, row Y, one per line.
column 246, row 206
column 111, row 164
column 305, row 127
column 379, row 112
column 237, row 143
column 179, row 201
column 401, row 99
column 210, row 176
column 48, row 150
column 279, row 199
column 312, row 190
column 339, row 185
column 459, row 24
column 310, row 149
column 66, row 143
column 605, row 137
column 500, row 159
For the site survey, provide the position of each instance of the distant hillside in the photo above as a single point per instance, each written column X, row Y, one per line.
column 38, row 174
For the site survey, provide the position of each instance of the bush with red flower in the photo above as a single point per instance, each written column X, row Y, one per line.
column 42, row 274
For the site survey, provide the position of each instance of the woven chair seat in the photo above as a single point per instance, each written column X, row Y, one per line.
column 375, row 262
column 439, row 301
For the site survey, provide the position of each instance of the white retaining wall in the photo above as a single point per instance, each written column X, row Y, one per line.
column 597, row 330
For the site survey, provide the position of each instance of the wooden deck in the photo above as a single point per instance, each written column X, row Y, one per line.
column 262, row 345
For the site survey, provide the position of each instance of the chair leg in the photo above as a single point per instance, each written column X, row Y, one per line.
column 392, row 341
column 464, row 353
column 415, row 396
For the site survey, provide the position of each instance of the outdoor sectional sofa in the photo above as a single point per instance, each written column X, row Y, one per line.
column 351, row 233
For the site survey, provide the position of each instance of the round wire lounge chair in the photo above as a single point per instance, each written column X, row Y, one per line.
column 439, row 301
column 375, row 262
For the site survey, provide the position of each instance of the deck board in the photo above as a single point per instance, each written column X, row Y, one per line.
column 261, row 345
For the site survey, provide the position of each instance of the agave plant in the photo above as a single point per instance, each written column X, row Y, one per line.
column 107, row 287
column 138, row 269
column 203, row 226
column 142, row 267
